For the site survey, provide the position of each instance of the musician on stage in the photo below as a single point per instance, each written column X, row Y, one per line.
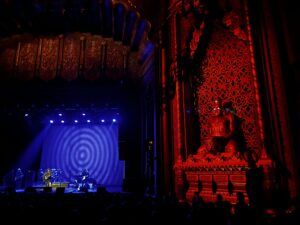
column 47, row 177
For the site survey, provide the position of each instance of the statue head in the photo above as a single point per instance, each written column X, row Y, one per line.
column 217, row 107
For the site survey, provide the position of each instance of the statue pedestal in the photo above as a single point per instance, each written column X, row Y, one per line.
column 212, row 178
column 210, row 183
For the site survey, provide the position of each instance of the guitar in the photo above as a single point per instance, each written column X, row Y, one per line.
column 47, row 177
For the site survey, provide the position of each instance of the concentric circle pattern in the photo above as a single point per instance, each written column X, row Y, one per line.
column 73, row 148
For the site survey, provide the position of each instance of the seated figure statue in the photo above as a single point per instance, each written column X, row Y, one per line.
column 221, row 133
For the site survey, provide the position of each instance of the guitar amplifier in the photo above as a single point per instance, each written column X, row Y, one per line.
column 60, row 184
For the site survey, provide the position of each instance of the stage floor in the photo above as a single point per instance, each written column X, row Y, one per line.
column 44, row 189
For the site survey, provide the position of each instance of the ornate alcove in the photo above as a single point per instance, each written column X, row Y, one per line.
column 216, row 61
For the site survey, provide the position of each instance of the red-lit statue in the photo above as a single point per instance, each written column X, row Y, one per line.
column 221, row 142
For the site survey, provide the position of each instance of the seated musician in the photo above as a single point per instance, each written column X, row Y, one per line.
column 83, row 180
column 84, row 175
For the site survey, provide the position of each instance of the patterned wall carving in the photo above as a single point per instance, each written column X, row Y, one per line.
column 49, row 57
column 69, row 57
column 70, row 62
column 227, row 74
column 47, row 60
column 27, row 59
column 92, row 64
column 115, row 64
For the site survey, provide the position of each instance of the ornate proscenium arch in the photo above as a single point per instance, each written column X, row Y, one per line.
column 71, row 39
column 51, row 49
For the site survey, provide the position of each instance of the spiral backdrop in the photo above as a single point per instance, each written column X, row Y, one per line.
column 73, row 148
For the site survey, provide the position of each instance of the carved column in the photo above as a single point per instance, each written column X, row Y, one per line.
column 186, row 19
column 164, row 129
column 176, row 91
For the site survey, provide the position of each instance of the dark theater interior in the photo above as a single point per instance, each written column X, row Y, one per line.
column 150, row 111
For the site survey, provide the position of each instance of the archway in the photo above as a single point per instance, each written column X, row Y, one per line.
column 87, row 55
